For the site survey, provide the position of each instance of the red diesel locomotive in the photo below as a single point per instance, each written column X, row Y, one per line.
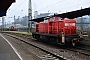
column 12, row 28
column 57, row 31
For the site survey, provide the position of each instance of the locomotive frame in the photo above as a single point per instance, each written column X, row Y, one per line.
column 61, row 39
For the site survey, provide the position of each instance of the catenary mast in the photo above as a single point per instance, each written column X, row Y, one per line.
column 29, row 16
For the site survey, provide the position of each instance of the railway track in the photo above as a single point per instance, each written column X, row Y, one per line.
column 80, row 51
column 47, row 56
column 53, row 55
column 87, row 51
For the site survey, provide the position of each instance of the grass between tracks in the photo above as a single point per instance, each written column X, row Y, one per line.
column 17, row 32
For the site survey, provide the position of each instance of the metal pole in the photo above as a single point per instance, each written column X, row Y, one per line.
column 81, row 23
column 29, row 17
column 2, row 23
column 14, row 21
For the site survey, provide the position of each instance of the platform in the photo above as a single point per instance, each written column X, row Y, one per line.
column 6, row 51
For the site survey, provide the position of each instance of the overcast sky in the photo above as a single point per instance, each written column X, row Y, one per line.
column 20, row 7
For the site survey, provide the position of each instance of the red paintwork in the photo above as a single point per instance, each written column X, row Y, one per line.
column 12, row 28
column 42, row 27
column 68, row 26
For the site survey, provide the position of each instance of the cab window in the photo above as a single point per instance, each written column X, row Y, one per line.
column 66, row 24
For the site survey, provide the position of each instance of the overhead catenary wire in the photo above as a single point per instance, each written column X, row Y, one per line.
column 32, row 9
column 63, row 7
column 50, row 5
column 18, row 5
column 42, row 8
column 42, row 2
column 73, row 6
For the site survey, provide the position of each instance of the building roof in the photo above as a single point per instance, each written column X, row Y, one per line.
column 71, row 15
column 4, row 5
